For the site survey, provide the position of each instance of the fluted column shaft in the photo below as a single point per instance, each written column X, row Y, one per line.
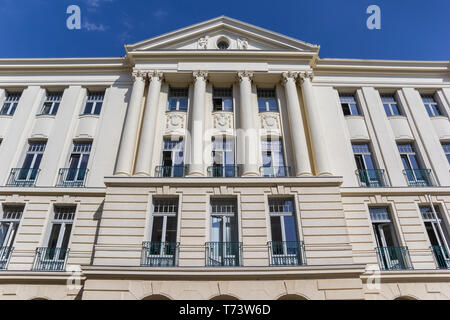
column 315, row 126
column 298, row 137
column 196, row 167
column 249, row 138
column 128, row 140
column 147, row 139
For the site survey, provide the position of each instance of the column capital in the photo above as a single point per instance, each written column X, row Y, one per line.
column 155, row 74
column 200, row 74
column 289, row 75
column 245, row 74
column 139, row 74
column 305, row 75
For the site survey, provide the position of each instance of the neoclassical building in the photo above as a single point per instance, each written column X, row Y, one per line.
column 223, row 160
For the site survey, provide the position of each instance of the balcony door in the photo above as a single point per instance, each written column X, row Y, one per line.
column 411, row 164
column 32, row 161
column 78, row 162
column 273, row 158
column 438, row 234
column 223, row 157
column 224, row 248
column 366, row 168
column 173, row 158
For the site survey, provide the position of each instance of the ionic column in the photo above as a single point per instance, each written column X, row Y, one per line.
column 315, row 127
column 298, row 137
column 249, row 138
column 147, row 139
column 128, row 140
column 196, row 168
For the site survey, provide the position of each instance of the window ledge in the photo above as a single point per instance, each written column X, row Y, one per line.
column 88, row 116
column 6, row 116
column 398, row 116
column 43, row 115
column 439, row 117
column 355, row 116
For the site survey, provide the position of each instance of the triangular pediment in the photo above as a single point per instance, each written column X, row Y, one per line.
column 237, row 35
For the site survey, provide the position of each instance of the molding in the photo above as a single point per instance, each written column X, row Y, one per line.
column 245, row 74
column 200, row 74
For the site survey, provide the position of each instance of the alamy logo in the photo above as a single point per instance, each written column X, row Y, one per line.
column 74, row 20
column 374, row 20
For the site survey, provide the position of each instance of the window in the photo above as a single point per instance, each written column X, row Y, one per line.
column 273, row 158
column 222, row 44
column 391, row 256
column 285, row 247
column 267, row 100
column 222, row 99
column 76, row 171
column 94, row 102
column 223, row 157
column 172, row 158
column 10, row 104
column 162, row 248
column 438, row 234
column 390, row 105
column 349, row 105
column 53, row 257
column 415, row 174
column 431, row 106
column 178, row 99
column 32, row 161
column 9, row 223
column 446, row 147
column 224, row 248
column 368, row 174
column 51, row 103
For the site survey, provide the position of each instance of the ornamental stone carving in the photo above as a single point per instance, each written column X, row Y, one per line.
column 305, row 75
column 242, row 43
column 175, row 122
column 155, row 74
column 245, row 74
column 203, row 43
column 289, row 75
column 200, row 74
column 270, row 122
column 223, row 121
column 139, row 74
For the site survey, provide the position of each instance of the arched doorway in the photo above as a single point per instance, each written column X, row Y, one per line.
column 292, row 297
column 224, row 297
column 156, row 297
column 405, row 298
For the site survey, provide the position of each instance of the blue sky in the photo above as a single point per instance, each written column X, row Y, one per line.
column 410, row 29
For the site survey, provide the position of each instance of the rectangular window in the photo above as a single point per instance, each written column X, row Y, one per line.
column 438, row 235
column 32, row 161
column 51, row 103
column 94, row 102
column 415, row 174
column 178, row 99
column 9, row 224
column 76, row 170
column 224, row 248
column 273, row 158
column 222, row 99
column 172, row 158
column 10, row 104
column 223, row 157
column 390, row 254
column 431, row 106
column 446, row 147
column 390, row 105
column 349, row 105
column 267, row 100
column 369, row 175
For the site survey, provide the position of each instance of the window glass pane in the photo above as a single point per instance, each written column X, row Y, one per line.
column 290, row 228
column 54, row 234
column 353, row 108
column 275, row 226
column 171, row 229
column 88, row 108
column 98, row 108
column 3, row 231
column 157, row 228
column 66, row 237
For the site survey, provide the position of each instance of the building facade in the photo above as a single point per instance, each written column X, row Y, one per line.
column 224, row 161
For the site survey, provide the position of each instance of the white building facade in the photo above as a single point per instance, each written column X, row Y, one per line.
column 224, row 161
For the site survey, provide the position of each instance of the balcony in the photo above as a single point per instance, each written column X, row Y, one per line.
column 23, row 177
column 223, row 171
column 441, row 256
column 5, row 254
column 371, row 178
column 50, row 259
column 286, row 253
column 71, row 177
column 275, row 172
column 419, row 177
column 170, row 171
column 159, row 254
column 223, row 254
column 394, row 258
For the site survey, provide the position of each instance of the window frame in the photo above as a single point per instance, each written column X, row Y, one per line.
column 388, row 105
column 219, row 93
column 433, row 108
column 260, row 93
column 12, row 98
column 12, row 222
column 172, row 95
column 54, row 99
column 64, row 222
column 354, row 102
column 93, row 97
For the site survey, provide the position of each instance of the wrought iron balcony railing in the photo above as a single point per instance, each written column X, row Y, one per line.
column 5, row 254
column 419, row 177
column 159, row 254
column 275, row 172
column 170, row 171
column 441, row 256
column 23, row 177
column 50, row 259
column 225, row 171
column 286, row 253
column 394, row 258
column 371, row 178
column 223, row 254
column 71, row 177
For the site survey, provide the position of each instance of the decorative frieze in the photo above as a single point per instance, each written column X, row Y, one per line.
column 175, row 123
column 270, row 123
column 223, row 121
